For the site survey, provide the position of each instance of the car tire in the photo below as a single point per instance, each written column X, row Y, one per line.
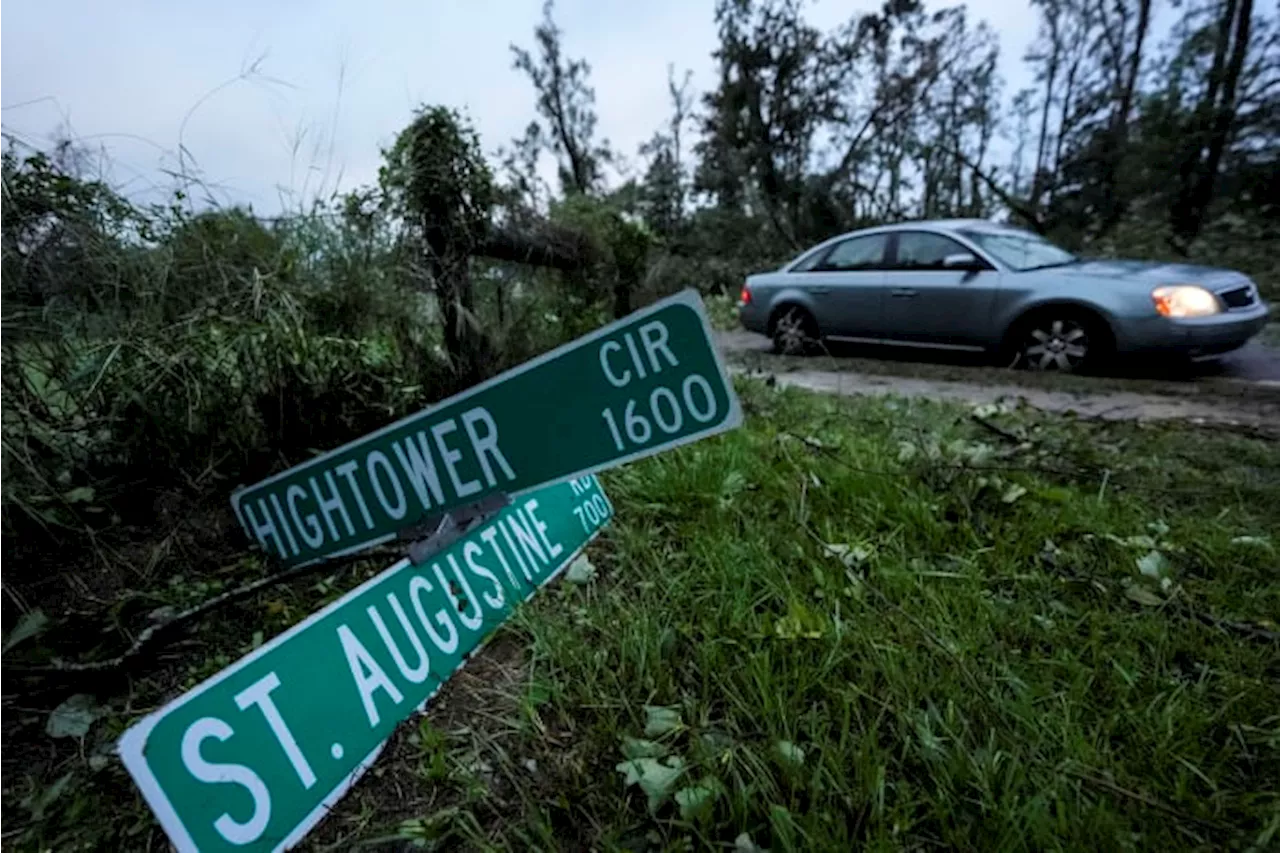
column 794, row 331
column 1060, row 340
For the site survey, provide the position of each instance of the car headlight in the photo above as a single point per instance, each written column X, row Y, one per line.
column 1185, row 300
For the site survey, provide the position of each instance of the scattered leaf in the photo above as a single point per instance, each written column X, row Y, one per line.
column 850, row 555
column 1143, row 596
column 654, row 777
column 580, row 571
column 695, row 801
column 74, row 717
column 906, row 451
column 790, row 755
column 79, row 495
column 1153, row 565
column 638, row 748
column 744, row 844
column 1012, row 493
column 29, row 625
column 38, row 801
column 661, row 720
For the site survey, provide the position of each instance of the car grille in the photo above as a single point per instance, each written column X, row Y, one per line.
column 1240, row 297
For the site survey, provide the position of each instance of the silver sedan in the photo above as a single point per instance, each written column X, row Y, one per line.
column 974, row 285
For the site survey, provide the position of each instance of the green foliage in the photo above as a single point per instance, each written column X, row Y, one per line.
column 622, row 243
column 967, row 671
column 436, row 179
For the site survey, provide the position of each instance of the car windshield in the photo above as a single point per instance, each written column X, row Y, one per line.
column 1020, row 250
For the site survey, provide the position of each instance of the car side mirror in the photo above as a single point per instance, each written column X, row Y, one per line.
column 962, row 261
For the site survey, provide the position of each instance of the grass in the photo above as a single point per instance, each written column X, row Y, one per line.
column 851, row 623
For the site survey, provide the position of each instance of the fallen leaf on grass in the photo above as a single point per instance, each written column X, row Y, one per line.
column 790, row 755
column 38, row 801
column 695, row 801
column 580, row 571
column 850, row 555
column 74, row 717
column 744, row 844
column 29, row 625
column 1012, row 493
column 79, row 495
column 1143, row 596
column 660, row 720
column 639, row 748
column 1153, row 565
column 654, row 777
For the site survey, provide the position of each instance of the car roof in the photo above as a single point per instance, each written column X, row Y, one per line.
column 942, row 224
column 916, row 225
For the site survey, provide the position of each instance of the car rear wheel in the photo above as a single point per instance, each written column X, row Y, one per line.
column 1060, row 341
column 795, row 331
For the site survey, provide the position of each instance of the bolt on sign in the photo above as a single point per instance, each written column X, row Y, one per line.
column 255, row 756
column 648, row 382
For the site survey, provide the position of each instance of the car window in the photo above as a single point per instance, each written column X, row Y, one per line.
column 857, row 253
column 1020, row 250
column 921, row 250
column 811, row 260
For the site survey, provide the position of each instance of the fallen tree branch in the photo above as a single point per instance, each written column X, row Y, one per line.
column 1022, row 208
column 1245, row 628
column 998, row 430
column 149, row 639
column 1100, row 781
column 543, row 246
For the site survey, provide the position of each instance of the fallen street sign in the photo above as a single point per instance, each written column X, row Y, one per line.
column 648, row 382
column 255, row 756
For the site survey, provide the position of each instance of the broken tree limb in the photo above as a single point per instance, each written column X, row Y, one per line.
column 1022, row 208
column 545, row 245
column 150, row 638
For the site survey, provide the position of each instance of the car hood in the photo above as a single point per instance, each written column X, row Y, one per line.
column 1153, row 273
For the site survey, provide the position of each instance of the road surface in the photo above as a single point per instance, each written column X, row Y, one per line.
column 1254, row 362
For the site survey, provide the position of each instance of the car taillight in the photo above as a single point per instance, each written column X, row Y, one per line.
column 745, row 298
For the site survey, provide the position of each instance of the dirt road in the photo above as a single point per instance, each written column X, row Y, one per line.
column 1111, row 400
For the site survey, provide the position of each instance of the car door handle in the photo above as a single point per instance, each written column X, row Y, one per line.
column 902, row 293
column 819, row 291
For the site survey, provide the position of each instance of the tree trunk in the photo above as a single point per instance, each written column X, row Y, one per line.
column 1117, row 140
column 1042, row 150
column 1219, row 111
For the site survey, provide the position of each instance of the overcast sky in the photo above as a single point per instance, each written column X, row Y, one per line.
column 336, row 80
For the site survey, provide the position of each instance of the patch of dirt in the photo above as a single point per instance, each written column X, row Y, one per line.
column 1105, row 405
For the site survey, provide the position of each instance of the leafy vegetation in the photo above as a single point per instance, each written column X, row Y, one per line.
column 849, row 623
column 861, row 623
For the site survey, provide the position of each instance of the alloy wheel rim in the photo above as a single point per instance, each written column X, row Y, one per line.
column 790, row 333
column 1059, row 345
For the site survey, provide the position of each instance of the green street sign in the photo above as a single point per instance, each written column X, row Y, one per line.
column 648, row 382
column 255, row 756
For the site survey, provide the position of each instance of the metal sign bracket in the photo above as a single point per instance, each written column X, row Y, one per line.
column 443, row 529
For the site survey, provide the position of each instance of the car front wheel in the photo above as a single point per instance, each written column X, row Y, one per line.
column 1065, row 343
column 794, row 332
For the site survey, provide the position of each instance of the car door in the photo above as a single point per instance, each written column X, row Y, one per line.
column 847, row 285
column 927, row 302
